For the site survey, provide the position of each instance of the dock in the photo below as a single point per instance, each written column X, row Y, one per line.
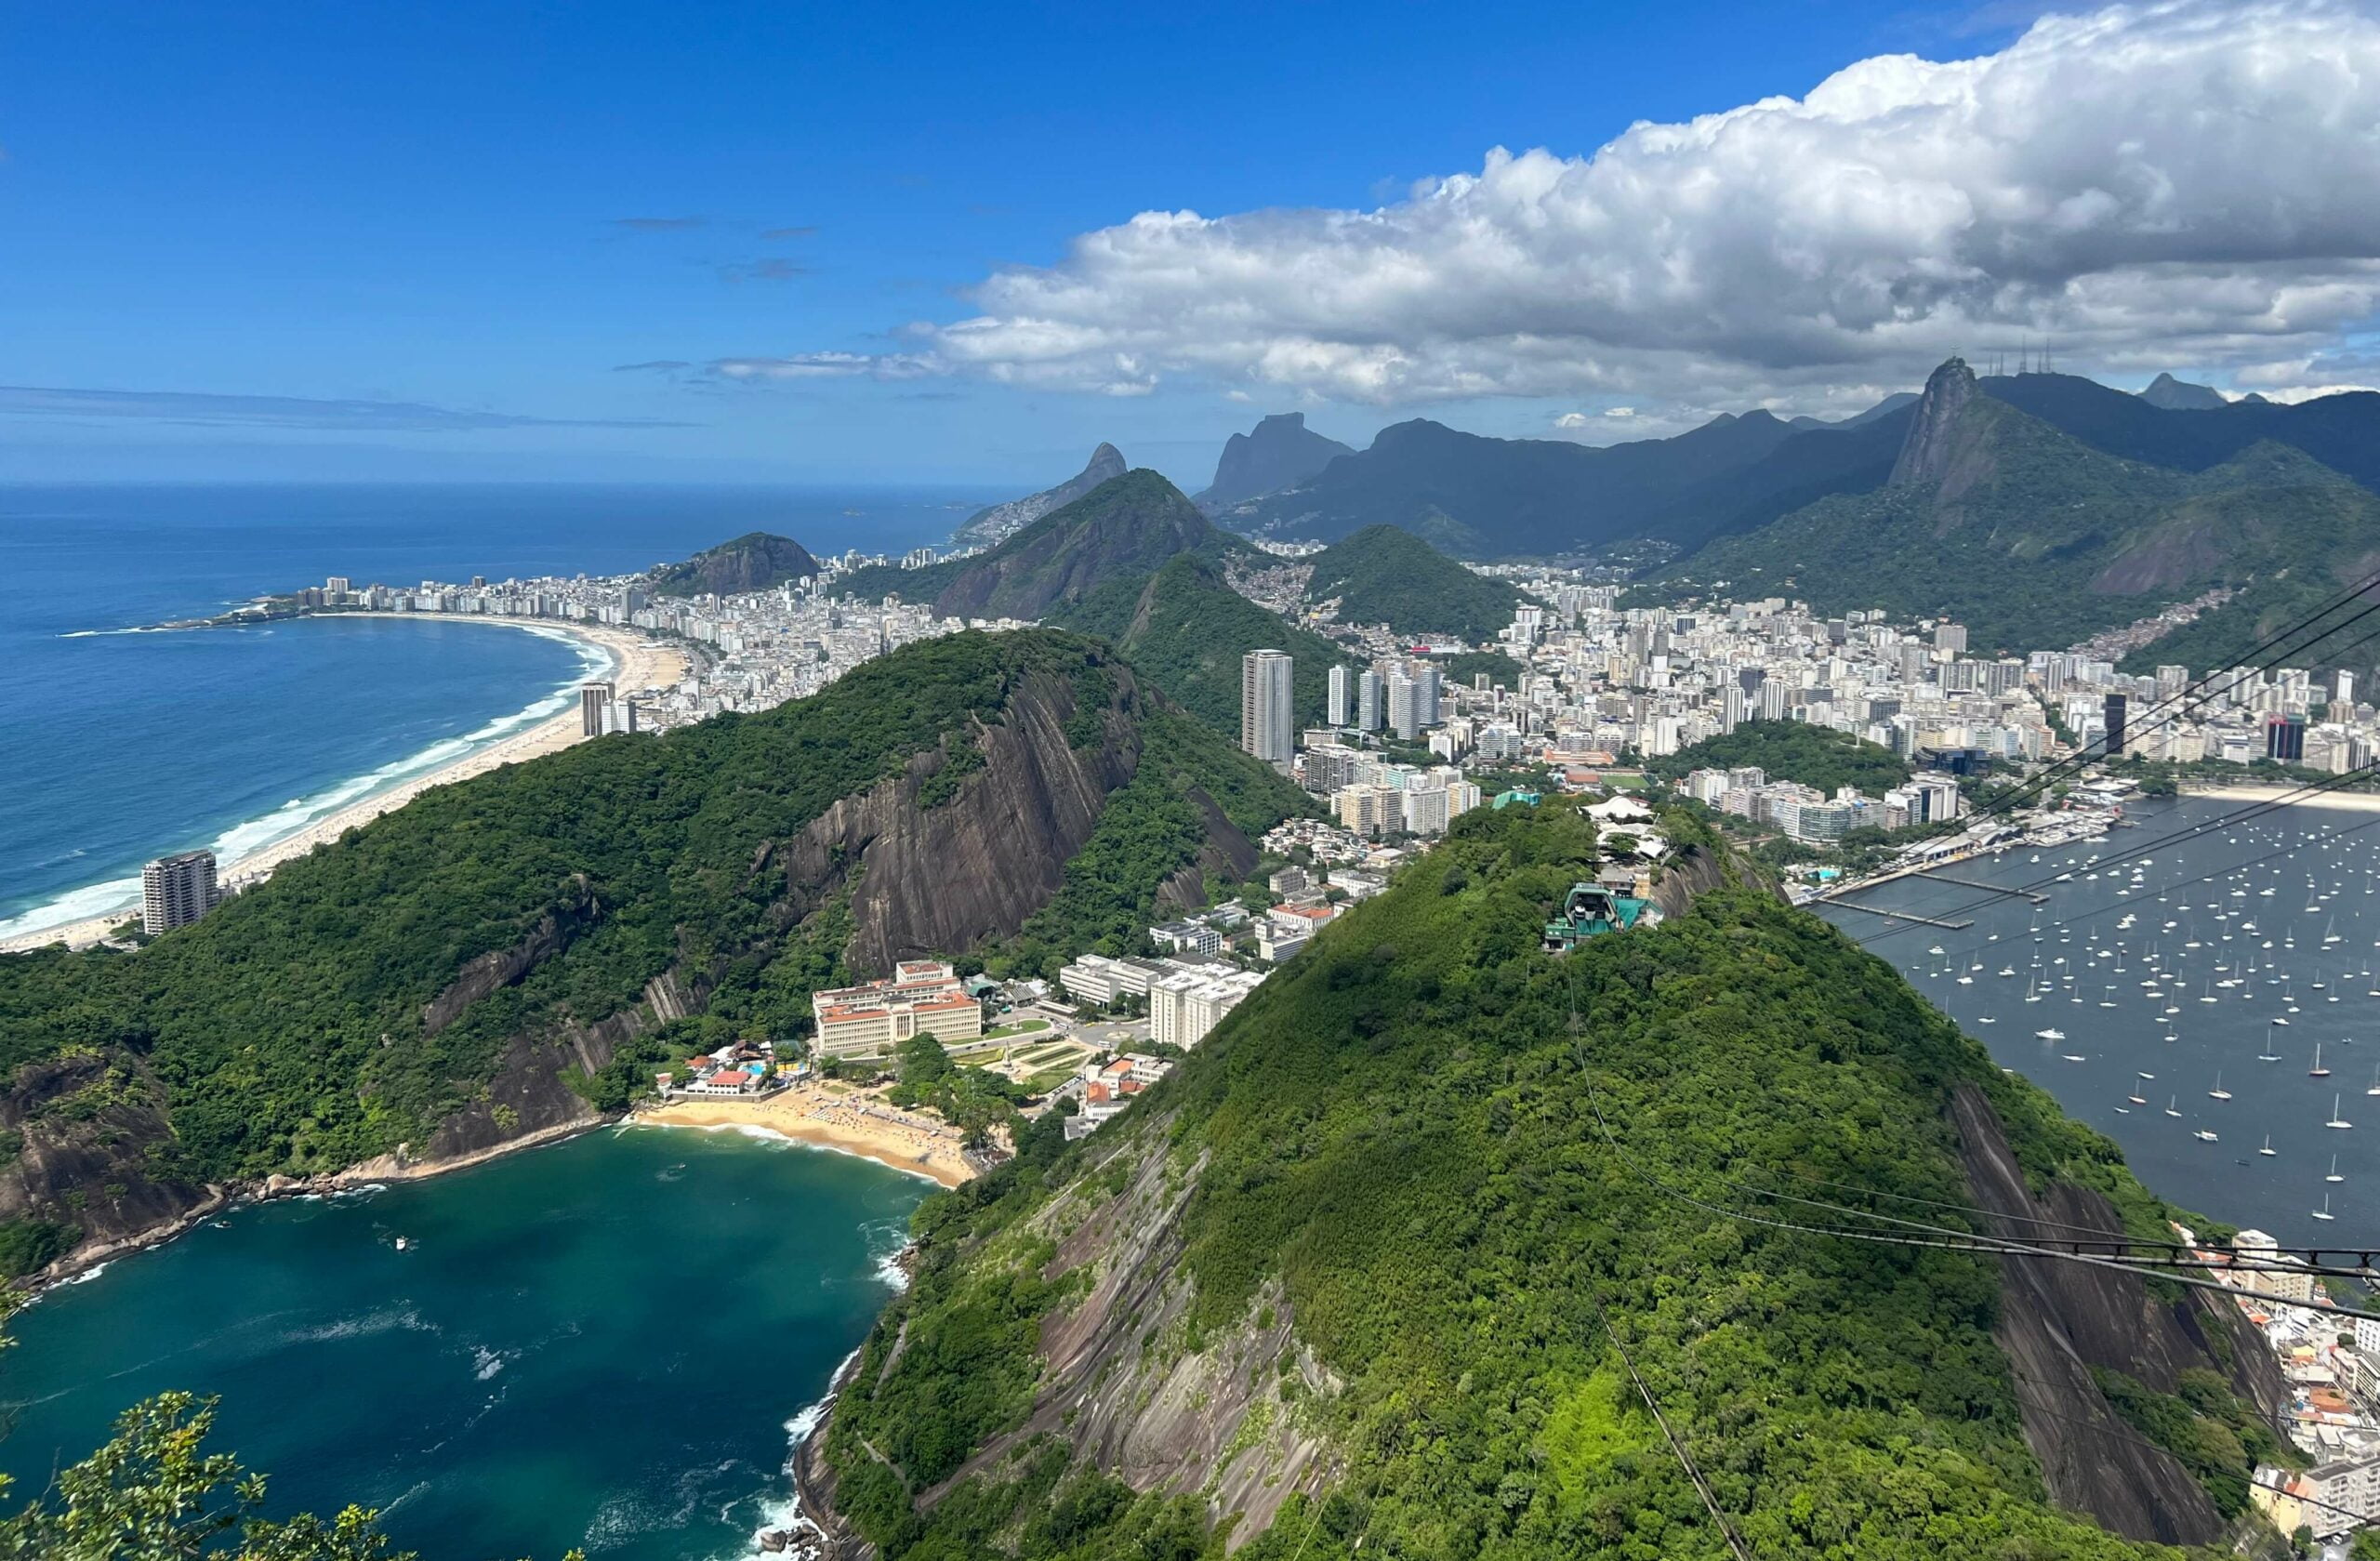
column 1902, row 915
column 1978, row 884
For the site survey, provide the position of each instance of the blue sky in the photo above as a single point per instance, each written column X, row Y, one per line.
column 453, row 225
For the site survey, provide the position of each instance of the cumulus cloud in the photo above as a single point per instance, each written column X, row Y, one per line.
column 2139, row 186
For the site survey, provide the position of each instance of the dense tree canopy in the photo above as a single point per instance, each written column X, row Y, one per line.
column 1398, row 1137
column 1793, row 750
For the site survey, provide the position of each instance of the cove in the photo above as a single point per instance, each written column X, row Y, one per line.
column 599, row 1344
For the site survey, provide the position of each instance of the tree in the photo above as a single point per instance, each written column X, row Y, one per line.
column 154, row 1493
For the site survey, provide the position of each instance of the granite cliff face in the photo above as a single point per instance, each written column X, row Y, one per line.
column 1280, row 452
column 1930, row 454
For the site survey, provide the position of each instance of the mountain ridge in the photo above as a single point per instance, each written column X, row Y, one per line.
column 1280, row 452
column 996, row 522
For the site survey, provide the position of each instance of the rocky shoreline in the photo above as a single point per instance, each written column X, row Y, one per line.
column 221, row 1198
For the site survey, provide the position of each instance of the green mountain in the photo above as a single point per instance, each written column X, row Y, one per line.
column 1374, row 1272
column 2036, row 540
column 2341, row 431
column 753, row 561
column 1793, row 750
column 1185, row 630
column 997, row 523
column 1126, row 528
column 1386, row 575
column 495, row 958
column 1480, row 497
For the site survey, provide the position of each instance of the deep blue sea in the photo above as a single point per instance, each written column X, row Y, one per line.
column 122, row 747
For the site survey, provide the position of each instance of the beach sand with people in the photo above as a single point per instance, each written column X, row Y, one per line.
column 637, row 663
column 843, row 1120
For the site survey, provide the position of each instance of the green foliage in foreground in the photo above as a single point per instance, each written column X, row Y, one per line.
column 286, row 1033
column 1386, row 575
column 154, row 1493
column 1399, row 1133
column 1793, row 750
column 1185, row 630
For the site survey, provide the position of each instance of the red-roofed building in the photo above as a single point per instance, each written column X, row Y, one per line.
column 923, row 997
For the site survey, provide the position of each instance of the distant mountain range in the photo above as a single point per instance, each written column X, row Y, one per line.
column 1480, row 497
column 1280, row 452
column 1125, row 528
column 2036, row 537
column 1000, row 521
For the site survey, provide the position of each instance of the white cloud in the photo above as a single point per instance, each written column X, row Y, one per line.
column 2143, row 186
column 824, row 365
column 1574, row 420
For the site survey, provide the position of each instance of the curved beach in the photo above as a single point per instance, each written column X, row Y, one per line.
column 637, row 663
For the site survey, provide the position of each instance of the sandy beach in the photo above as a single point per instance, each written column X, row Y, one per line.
column 2347, row 801
column 637, row 663
column 850, row 1123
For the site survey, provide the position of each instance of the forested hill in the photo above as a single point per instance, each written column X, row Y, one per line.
column 1357, row 1279
column 493, row 958
column 1793, row 750
column 1384, row 575
column 1185, row 630
column 2036, row 540
column 753, row 561
column 1126, row 528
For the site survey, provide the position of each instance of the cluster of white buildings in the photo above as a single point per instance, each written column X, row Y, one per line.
column 921, row 997
column 1806, row 813
column 1187, row 998
column 751, row 652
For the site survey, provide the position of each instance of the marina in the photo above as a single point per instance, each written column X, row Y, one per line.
column 2240, row 960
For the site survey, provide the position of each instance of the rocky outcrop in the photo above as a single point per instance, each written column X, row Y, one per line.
column 2058, row 1320
column 82, row 1131
column 501, row 968
column 999, row 521
column 1120, row 1380
column 1926, row 455
column 973, row 868
column 1280, row 452
column 2179, row 395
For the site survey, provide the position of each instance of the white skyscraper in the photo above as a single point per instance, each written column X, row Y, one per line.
column 1338, row 696
column 1369, row 691
column 1402, row 717
column 1269, row 707
column 1426, row 694
column 176, row 891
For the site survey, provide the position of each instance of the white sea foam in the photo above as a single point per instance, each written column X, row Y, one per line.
column 240, row 840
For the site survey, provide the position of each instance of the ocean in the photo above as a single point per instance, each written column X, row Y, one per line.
column 607, row 1344
column 123, row 746
column 2173, row 977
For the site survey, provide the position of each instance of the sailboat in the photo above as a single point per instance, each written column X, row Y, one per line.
column 2336, row 1121
column 2173, row 1105
column 2268, row 1149
column 2317, row 1070
column 2268, row 1054
column 2335, row 1175
column 2376, row 1083
column 2218, row 1092
column 2324, row 1211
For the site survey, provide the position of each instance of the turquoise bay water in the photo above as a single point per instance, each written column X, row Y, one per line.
column 600, row 1344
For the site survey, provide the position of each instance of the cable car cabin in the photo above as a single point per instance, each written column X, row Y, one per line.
column 1588, row 910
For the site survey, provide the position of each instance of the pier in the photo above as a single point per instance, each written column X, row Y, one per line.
column 1978, row 884
column 1902, row 915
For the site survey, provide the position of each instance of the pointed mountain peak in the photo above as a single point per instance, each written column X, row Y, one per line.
column 1107, row 462
column 2180, row 395
column 1924, row 454
column 1280, row 452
